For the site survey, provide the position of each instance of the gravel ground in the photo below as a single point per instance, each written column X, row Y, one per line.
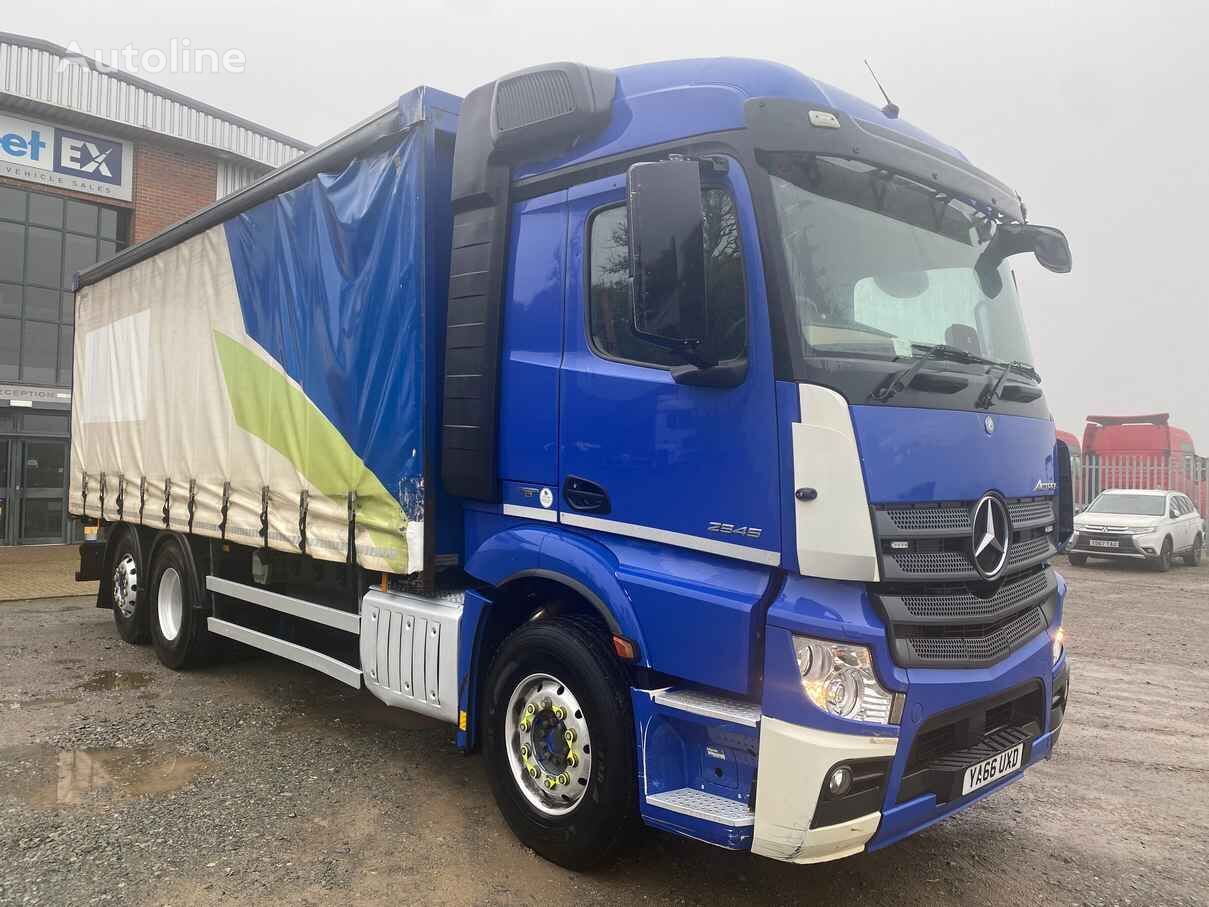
column 122, row 782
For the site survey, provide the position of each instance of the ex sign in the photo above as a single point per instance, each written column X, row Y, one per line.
column 65, row 159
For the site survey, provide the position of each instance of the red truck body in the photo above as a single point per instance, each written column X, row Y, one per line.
column 1144, row 451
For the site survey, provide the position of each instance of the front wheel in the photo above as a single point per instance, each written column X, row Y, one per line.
column 558, row 738
column 1193, row 557
column 1163, row 561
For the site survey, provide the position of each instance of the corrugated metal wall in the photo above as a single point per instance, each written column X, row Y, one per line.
column 47, row 77
column 233, row 176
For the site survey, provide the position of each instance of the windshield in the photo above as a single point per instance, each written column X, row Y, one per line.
column 1135, row 504
column 878, row 262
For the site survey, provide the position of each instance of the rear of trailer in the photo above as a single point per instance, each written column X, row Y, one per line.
column 265, row 372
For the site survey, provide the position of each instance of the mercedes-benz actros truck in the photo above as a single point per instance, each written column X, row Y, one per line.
column 671, row 432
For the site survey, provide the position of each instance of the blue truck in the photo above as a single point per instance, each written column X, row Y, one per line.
column 671, row 432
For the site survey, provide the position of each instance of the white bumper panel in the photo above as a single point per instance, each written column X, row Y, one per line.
column 793, row 761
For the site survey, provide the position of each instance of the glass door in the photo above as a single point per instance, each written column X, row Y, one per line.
column 6, row 492
column 41, row 469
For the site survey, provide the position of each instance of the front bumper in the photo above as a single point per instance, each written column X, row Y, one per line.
column 1136, row 547
column 794, row 759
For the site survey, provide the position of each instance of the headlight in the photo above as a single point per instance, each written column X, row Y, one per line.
column 839, row 679
column 1059, row 640
column 1145, row 530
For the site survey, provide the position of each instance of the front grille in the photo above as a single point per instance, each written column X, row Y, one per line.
column 986, row 643
column 956, row 600
column 1029, row 550
column 940, row 516
column 940, row 610
column 935, row 563
column 955, row 516
column 1037, row 511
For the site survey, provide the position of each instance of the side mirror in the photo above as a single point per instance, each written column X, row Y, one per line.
column 1048, row 244
column 667, row 256
column 1052, row 249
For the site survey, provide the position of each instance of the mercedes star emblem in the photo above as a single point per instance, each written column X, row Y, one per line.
column 992, row 530
column 989, row 424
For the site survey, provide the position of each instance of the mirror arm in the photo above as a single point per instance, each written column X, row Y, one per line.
column 731, row 373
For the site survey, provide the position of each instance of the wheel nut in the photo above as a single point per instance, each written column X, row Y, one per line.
column 524, row 751
column 559, row 712
column 572, row 759
column 551, row 782
column 564, row 778
column 529, row 709
column 569, row 735
column 524, row 725
column 533, row 771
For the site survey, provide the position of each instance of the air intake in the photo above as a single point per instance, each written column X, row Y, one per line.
column 533, row 97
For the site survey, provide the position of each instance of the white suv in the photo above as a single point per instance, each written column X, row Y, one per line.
column 1135, row 523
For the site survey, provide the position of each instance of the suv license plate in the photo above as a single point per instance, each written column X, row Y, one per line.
column 989, row 770
column 1104, row 543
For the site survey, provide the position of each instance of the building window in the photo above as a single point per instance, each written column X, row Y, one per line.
column 44, row 241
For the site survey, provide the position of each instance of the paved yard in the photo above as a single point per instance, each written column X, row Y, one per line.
column 41, row 571
column 254, row 781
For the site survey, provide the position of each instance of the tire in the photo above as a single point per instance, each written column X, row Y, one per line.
column 1163, row 562
column 128, row 589
column 1077, row 559
column 574, row 828
column 178, row 626
column 1193, row 557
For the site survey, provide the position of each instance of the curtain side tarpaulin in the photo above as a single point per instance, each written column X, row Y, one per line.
column 262, row 381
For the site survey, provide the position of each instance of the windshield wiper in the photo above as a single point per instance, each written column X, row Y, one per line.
column 990, row 393
column 932, row 353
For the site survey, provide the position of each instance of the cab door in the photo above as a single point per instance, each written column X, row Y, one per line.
column 640, row 454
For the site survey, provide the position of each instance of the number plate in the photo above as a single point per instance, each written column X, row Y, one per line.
column 989, row 770
column 1104, row 543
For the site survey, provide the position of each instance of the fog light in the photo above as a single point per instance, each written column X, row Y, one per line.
column 839, row 782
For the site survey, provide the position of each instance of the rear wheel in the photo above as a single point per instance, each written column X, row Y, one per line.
column 1163, row 562
column 127, row 589
column 1077, row 559
column 558, row 736
column 1193, row 557
column 178, row 625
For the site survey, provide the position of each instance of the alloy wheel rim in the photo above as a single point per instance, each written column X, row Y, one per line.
column 549, row 745
column 170, row 603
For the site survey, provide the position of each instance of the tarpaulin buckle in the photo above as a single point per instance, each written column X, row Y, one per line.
column 304, row 503
column 84, row 492
column 167, row 501
column 121, row 497
column 192, row 503
column 142, row 496
column 102, row 495
column 352, row 527
column 264, row 514
column 226, row 503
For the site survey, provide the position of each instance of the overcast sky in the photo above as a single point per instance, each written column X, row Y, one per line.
column 1094, row 112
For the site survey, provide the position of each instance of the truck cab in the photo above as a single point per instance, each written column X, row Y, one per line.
column 835, row 575
column 735, row 492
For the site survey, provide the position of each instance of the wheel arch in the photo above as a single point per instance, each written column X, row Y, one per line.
column 585, row 570
column 187, row 547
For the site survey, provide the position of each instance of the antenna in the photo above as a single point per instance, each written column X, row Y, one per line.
column 891, row 109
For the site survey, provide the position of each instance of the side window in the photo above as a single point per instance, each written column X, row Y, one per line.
column 610, row 315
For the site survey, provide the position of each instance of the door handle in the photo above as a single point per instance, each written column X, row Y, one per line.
column 585, row 496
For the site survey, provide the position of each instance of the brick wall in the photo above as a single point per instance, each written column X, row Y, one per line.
column 169, row 185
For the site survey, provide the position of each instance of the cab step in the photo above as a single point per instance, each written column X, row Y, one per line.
column 709, row 705
column 703, row 805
